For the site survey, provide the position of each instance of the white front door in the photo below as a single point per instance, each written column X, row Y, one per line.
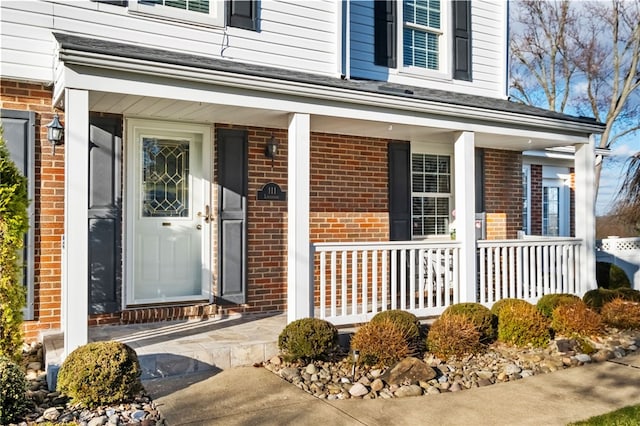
column 168, row 199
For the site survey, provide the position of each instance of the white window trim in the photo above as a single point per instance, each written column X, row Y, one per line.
column 442, row 150
column 215, row 17
column 444, row 45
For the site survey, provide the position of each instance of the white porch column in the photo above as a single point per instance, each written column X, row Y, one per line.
column 465, row 197
column 75, row 281
column 585, row 196
column 299, row 262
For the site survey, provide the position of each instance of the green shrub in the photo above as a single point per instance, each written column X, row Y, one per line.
column 13, row 224
column 479, row 315
column 497, row 306
column 597, row 298
column 100, row 373
column 629, row 294
column 576, row 319
column 307, row 338
column 522, row 324
column 382, row 342
column 621, row 313
column 549, row 302
column 405, row 320
column 12, row 391
column 611, row 276
column 453, row 335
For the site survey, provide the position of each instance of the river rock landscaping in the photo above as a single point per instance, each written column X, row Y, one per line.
column 53, row 408
column 425, row 374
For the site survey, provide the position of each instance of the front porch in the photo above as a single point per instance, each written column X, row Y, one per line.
column 344, row 161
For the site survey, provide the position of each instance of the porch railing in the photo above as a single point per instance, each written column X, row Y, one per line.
column 358, row 280
column 528, row 268
column 354, row 281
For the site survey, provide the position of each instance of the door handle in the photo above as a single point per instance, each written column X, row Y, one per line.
column 207, row 214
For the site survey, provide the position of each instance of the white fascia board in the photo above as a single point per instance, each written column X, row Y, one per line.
column 114, row 82
column 313, row 91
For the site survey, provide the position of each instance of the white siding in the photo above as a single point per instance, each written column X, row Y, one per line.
column 488, row 19
column 293, row 35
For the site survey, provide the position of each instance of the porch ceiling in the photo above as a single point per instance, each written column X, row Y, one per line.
column 199, row 112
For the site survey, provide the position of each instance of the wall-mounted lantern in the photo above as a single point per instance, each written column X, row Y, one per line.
column 55, row 132
column 271, row 149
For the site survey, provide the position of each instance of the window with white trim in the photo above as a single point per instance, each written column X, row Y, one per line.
column 208, row 12
column 430, row 194
column 422, row 35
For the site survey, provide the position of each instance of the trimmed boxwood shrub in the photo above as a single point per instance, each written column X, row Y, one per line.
column 13, row 386
column 621, row 313
column 453, row 335
column 407, row 322
column 522, row 324
column 597, row 298
column 100, row 373
column 307, row 338
column 497, row 306
column 549, row 302
column 576, row 319
column 382, row 342
column 479, row 315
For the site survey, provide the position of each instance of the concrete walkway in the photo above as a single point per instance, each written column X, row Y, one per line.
column 255, row 396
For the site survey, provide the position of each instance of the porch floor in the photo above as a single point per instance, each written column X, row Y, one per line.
column 181, row 347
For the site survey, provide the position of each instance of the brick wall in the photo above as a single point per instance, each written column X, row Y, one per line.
column 536, row 199
column 348, row 202
column 503, row 193
column 49, row 204
column 349, row 195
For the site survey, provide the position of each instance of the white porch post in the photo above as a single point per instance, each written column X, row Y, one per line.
column 299, row 262
column 585, row 196
column 75, row 284
column 465, row 197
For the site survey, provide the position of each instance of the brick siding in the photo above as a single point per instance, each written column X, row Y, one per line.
column 536, row 199
column 49, row 204
column 503, row 193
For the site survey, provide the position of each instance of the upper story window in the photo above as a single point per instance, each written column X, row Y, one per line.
column 422, row 33
column 431, row 34
column 430, row 194
column 206, row 12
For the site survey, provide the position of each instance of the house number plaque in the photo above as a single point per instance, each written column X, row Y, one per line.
column 272, row 192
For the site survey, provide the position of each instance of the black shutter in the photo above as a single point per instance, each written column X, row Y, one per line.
column 399, row 191
column 232, row 215
column 19, row 134
column 105, row 214
column 479, row 160
column 243, row 14
column 384, row 33
column 462, row 40
column 113, row 2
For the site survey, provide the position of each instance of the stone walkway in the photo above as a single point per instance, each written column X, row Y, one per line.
column 182, row 347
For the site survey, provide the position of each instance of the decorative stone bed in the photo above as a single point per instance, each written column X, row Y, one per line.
column 425, row 374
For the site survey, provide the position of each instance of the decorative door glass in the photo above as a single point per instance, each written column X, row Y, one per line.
column 165, row 178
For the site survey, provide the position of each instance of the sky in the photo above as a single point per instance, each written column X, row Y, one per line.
column 613, row 173
column 614, row 169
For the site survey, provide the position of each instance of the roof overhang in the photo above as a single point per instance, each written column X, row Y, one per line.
column 148, row 73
